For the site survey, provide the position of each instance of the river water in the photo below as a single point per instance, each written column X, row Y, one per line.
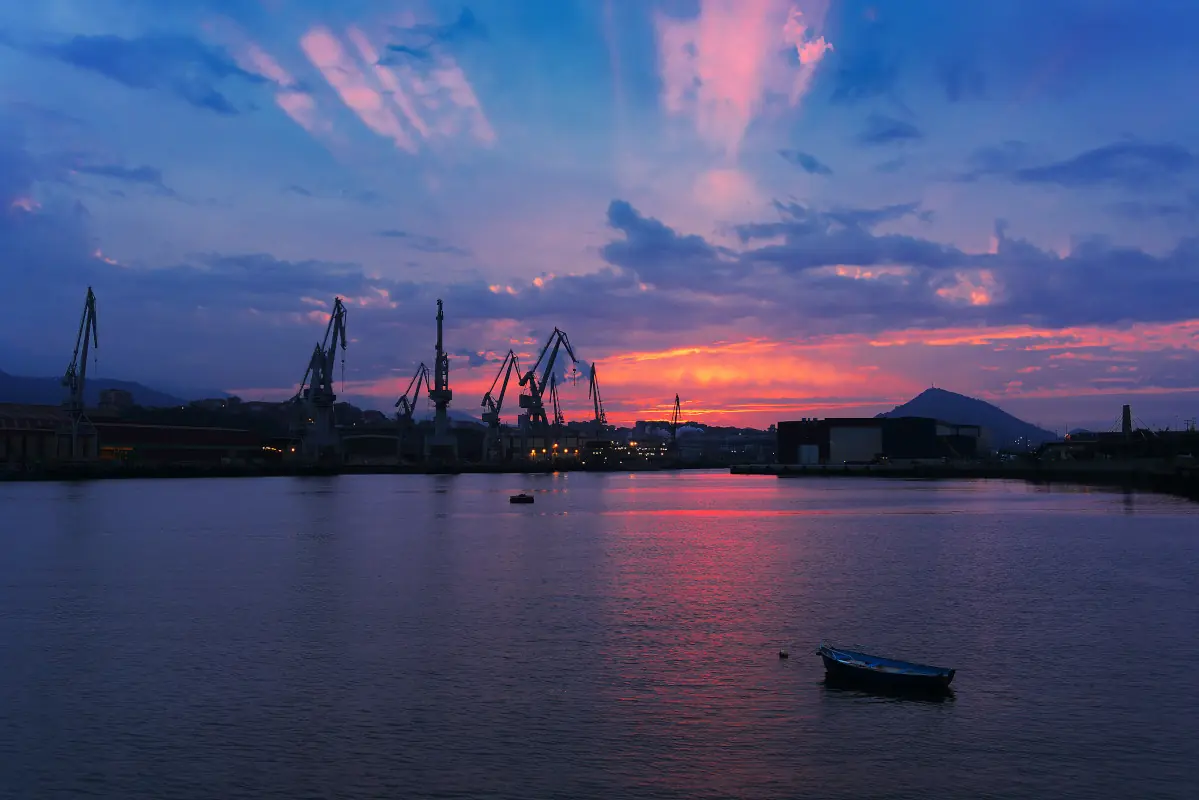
column 418, row 636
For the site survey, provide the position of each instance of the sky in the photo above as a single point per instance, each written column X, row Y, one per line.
column 773, row 208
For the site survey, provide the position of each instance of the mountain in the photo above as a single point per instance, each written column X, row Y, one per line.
column 1001, row 428
column 50, row 391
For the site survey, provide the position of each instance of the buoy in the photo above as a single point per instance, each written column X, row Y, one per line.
column 783, row 654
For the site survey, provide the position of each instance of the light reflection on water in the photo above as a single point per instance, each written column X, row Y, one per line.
column 415, row 636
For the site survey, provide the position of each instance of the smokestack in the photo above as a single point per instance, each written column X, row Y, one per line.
column 1126, row 422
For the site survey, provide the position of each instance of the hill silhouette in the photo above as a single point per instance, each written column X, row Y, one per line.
column 1001, row 429
column 49, row 391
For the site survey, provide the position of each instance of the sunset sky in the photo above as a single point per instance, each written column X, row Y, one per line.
column 773, row 208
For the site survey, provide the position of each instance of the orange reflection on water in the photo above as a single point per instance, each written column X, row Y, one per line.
column 701, row 596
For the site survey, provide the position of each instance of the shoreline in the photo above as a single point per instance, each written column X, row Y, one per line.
column 1152, row 475
column 101, row 472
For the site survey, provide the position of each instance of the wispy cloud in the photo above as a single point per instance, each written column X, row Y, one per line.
column 405, row 104
column 342, row 73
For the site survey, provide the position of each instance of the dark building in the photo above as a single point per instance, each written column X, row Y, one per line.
column 864, row 440
column 178, row 444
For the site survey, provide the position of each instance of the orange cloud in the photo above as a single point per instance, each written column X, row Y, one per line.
column 99, row 256
column 1140, row 337
column 977, row 289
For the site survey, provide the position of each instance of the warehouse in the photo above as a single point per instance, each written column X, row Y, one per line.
column 866, row 440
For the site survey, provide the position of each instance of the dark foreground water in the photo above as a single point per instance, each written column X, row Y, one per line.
column 406, row 637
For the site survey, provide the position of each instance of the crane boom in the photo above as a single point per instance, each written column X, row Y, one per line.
column 315, row 397
column 534, row 401
column 76, row 374
column 75, row 378
column 319, row 375
column 491, row 403
column 408, row 407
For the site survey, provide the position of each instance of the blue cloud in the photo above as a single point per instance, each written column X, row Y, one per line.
column 881, row 129
column 424, row 243
column 180, row 65
column 1131, row 165
column 806, row 161
column 418, row 40
column 146, row 175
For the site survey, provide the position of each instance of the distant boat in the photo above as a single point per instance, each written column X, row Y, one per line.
column 848, row 666
column 521, row 498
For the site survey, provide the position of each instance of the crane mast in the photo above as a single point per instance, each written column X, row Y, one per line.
column 443, row 445
column 320, row 440
column 76, row 375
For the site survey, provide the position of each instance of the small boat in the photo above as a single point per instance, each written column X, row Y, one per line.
column 521, row 498
column 848, row 666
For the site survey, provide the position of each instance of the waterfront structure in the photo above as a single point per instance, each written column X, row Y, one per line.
column 864, row 440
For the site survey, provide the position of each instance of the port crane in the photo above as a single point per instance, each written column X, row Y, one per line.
column 533, row 403
column 674, row 424
column 316, row 397
column 442, row 445
column 406, row 408
column 493, row 449
column 76, row 374
column 593, row 392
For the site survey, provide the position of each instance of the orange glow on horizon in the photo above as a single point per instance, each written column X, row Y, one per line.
column 756, row 382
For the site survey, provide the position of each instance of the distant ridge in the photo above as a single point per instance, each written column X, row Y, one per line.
column 49, row 391
column 1001, row 428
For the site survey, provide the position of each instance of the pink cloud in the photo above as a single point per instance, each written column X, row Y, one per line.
column 389, row 81
column 718, row 67
column 353, row 87
column 449, row 77
column 297, row 103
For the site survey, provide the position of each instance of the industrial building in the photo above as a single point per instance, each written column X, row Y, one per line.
column 178, row 444
column 32, row 436
column 867, row 440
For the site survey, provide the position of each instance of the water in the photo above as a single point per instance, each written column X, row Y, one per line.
column 416, row 637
